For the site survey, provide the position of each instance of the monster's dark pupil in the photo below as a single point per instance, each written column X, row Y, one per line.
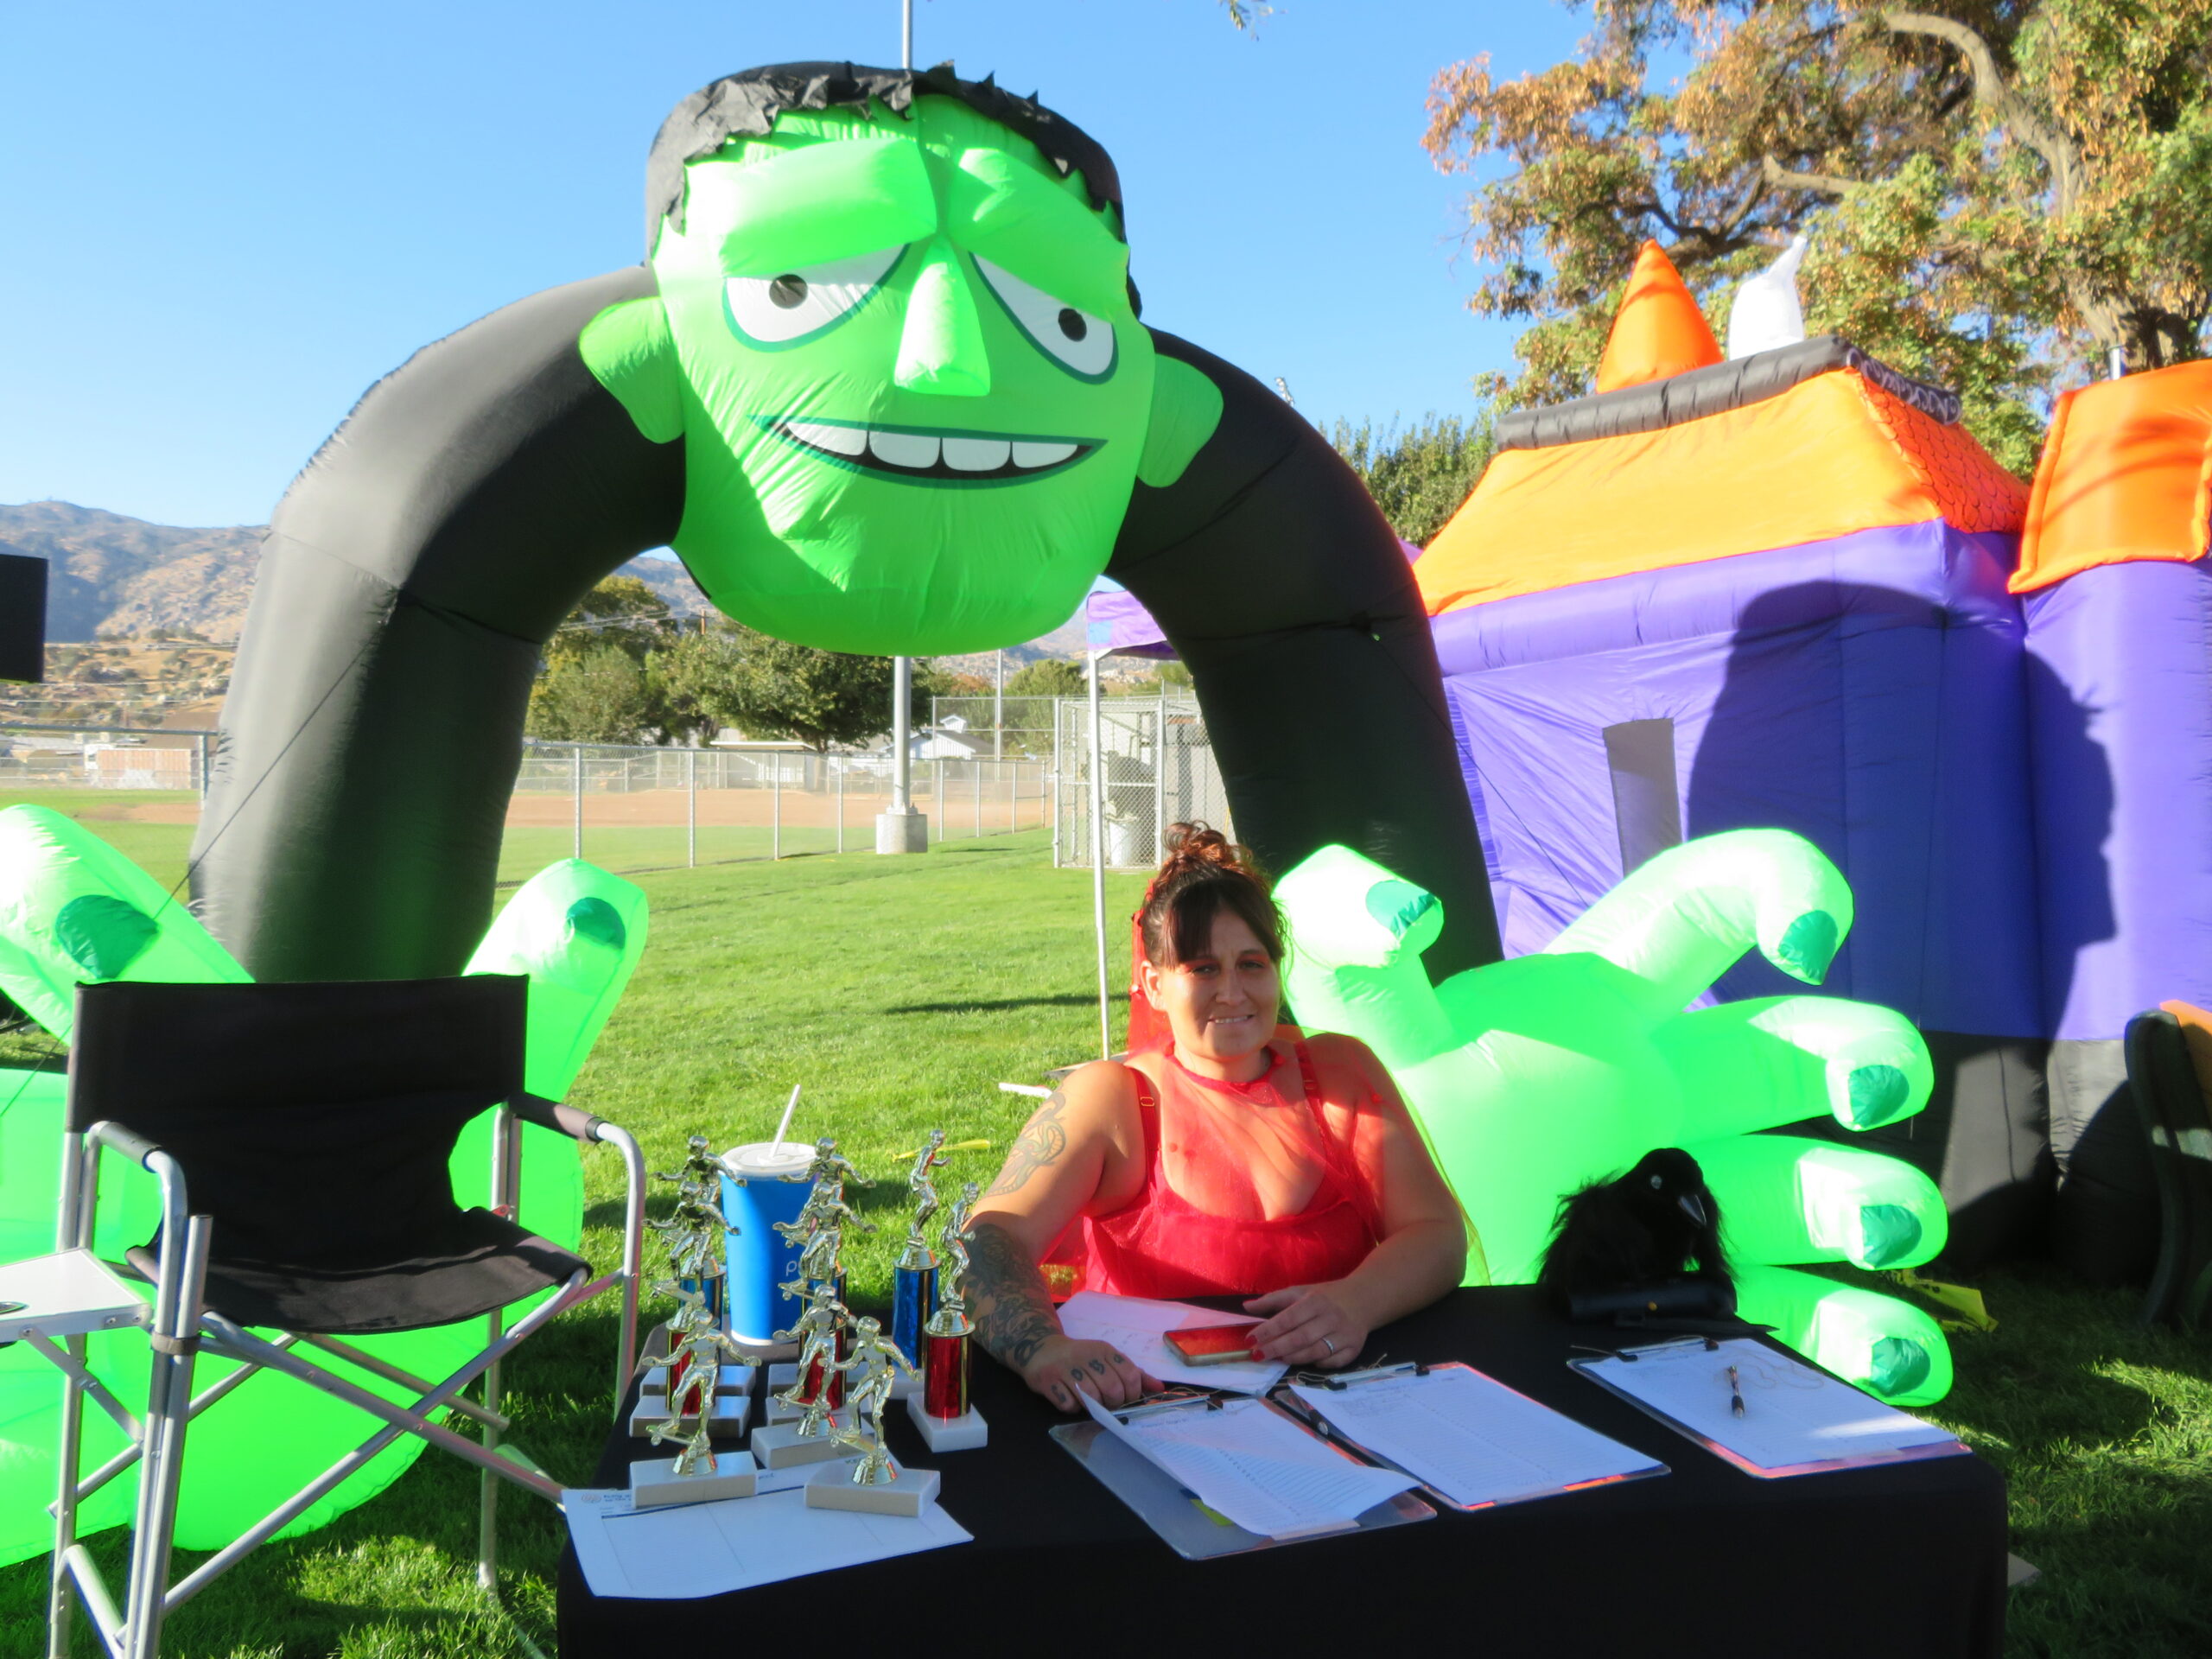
column 1071, row 323
column 788, row 291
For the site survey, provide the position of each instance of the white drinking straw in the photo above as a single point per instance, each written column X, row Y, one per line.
column 790, row 1106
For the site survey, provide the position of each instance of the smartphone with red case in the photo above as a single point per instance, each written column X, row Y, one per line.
column 1210, row 1344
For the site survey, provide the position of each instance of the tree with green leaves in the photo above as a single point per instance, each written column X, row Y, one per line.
column 1420, row 475
column 731, row 675
column 599, row 681
column 1048, row 677
column 1997, row 194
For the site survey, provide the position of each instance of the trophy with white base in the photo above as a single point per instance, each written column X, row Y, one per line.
column 693, row 1408
column 940, row 1411
column 817, row 1386
column 875, row 1485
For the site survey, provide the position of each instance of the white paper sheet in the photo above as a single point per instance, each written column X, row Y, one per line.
column 1793, row 1415
column 1250, row 1463
column 1471, row 1437
column 1136, row 1325
column 706, row 1549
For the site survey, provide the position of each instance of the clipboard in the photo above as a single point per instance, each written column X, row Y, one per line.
column 1944, row 1446
column 1321, row 1426
column 1184, row 1525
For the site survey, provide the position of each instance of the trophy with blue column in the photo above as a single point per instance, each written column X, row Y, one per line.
column 913, row 1279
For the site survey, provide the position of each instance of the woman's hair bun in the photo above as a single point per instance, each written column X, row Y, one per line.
column 1203, row 870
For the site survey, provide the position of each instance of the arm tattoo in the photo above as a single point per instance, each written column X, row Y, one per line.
column 1007, row 1297
column 1038, row 1146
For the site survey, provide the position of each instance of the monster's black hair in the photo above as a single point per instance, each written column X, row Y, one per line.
column 746, row 105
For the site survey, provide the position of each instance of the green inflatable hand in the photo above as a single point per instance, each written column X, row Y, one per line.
column 72, row 909
column 1533, row 1077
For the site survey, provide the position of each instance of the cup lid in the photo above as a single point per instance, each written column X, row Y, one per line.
column 771, row 1157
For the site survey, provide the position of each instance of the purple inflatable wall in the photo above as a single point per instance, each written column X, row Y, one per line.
column 1864, row 691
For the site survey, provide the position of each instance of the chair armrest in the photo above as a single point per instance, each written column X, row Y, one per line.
column 557, row 1116
column 129, row 1142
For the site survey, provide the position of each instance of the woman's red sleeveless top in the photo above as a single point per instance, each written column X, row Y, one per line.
column 1162, row 1245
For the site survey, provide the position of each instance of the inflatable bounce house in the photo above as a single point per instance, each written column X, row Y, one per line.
column 2117, row 593
column 1768, row 592
column 1789, row 590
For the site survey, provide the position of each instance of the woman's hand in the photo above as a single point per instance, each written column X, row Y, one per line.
column 1312, row 1324
column 1063, row 1367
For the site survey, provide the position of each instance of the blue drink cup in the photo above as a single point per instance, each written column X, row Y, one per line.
column 759, row 1257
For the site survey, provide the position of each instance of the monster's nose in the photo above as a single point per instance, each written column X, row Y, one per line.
column 941, row 346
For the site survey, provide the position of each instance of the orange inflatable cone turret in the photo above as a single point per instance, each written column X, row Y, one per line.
column 1659, row 331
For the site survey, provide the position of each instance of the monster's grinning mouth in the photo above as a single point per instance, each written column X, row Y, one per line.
column 920, row 455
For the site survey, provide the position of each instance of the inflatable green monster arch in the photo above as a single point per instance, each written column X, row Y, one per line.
column 1532, row 1077
column 883, row 386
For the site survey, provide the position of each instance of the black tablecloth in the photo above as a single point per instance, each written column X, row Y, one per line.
column 1706, row 1561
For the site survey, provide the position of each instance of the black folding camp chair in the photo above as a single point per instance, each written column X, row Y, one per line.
column 302, row 1135
column 2177, row 1118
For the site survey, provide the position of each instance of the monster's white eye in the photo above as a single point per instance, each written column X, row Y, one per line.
column 778, row 310
column 1081, row 342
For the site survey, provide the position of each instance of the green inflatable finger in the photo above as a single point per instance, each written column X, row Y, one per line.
column 74, row 910
column 1794, row 1057
column 578, row 932
column 1785, row 1198
column 1887, row 1347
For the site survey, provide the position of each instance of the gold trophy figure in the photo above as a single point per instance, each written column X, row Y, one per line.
column 918, row 1183
column 821, row 1223
column 951, row 1318
column 829, row 1168
column 693, row 1232
column 816, row 1330
column 879, row 1361
column 700, row 1165
column 698, row 1348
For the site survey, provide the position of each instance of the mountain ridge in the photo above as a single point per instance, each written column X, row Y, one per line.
column 109, row 575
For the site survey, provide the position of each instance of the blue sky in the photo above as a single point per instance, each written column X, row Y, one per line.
column 224, row 222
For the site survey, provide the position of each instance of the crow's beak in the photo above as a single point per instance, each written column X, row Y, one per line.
column 1694, row 1207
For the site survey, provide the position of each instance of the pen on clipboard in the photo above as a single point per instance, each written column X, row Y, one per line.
column 1735, row 1393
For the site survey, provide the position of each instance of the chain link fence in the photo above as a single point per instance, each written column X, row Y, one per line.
column 1156, row 764
column 625, row 808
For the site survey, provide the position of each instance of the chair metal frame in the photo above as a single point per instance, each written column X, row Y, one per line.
column 179, row 1325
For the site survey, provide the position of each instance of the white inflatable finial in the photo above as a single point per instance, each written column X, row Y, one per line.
column 1766, row 313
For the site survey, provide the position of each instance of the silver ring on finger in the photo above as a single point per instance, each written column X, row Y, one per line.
column 1330, row 1346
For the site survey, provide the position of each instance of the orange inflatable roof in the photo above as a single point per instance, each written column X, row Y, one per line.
column 2126, row 475
column 1658, row 331
column 1834, row 453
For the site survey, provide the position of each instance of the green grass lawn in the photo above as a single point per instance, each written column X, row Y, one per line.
column 900, row 992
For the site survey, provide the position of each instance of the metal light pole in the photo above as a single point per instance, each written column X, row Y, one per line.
column 1098, row 859
column 902, row 829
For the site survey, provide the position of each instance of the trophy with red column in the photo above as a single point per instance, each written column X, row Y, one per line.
column 942, row 1412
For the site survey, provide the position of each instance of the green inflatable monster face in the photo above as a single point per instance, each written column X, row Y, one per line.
column 912, row 390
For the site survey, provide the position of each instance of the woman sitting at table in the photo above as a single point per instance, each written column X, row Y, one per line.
column 1231, row 1156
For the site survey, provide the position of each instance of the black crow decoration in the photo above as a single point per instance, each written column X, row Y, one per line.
column 1646, row 1244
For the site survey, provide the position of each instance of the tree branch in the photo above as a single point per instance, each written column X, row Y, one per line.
column 1783, row 178
column 2013, row 111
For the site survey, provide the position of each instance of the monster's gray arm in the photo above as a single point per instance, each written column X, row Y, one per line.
column 411, row 575
column 1277, row 580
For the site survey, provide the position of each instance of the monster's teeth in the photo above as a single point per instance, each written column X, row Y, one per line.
column 914, row 450
column 975, row 455
column 1041, row 454
column 838, row 440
